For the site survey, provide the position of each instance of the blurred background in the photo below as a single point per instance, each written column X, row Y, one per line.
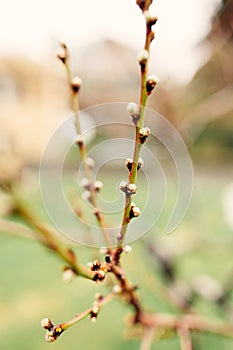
column 192, row 55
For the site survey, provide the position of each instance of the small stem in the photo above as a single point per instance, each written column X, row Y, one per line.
column 19, row 230
column 82, row 147
column 185, row 338
column 147, row 339
column 52, row 242
column 87, row 312
column 132, row 178
column 192, row 322
column 54, row 331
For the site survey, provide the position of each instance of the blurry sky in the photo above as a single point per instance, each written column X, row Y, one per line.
column 32, row 28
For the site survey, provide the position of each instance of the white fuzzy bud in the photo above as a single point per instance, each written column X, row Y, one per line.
column 135, row 212
column 123, row 185
column 127, row 249
column 46, row 323
column 143, row 56
column 76, row 83
column 68, row 276
column 132, row 108
column 144, row 131
column 143, row 134
column 84, row 182
column 116, row 289
column 153, row 78
column 50, row 337
column 98, row 185
column 131, row 188
column 151, row 82
column 95, row 309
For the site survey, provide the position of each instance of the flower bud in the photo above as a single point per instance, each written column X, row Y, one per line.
column 127, row 249
column 46, row 323
column 76, row 84
column 98, row 185
column 140, row 163
column 108, row 258
column 131, row 188
column 123, row 186
column 149, row 19
column 134, row 212
column 152, row 81
column 98, row 297
column 62, row 57
column 50, row 337
column 116, row 289
column 129, row 163
column 132, row 108
column 68, row 275
column 79, row 140
column 99, row 276
column 93, row 318
column 85, row 183
column 143, row 57
column 96, row 265
column 143, row 134
column 95, row 309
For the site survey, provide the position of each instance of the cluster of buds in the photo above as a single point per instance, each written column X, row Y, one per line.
column 134, row 211
column 96, row 309
column 143, row 134
column 99, row 270
column 85, row 183
column 94, row 313
column 129, row 163
column 53, row 332
column 90, row 188
column 128, row 188
column 133, row 110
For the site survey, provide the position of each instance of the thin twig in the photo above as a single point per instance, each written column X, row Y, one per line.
column 17, row 229
column 74, row 91
column 147, row 339
column 54, row 331
column 185, row 338
column 132, row 178
column 50, row 241
column 193, row 322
